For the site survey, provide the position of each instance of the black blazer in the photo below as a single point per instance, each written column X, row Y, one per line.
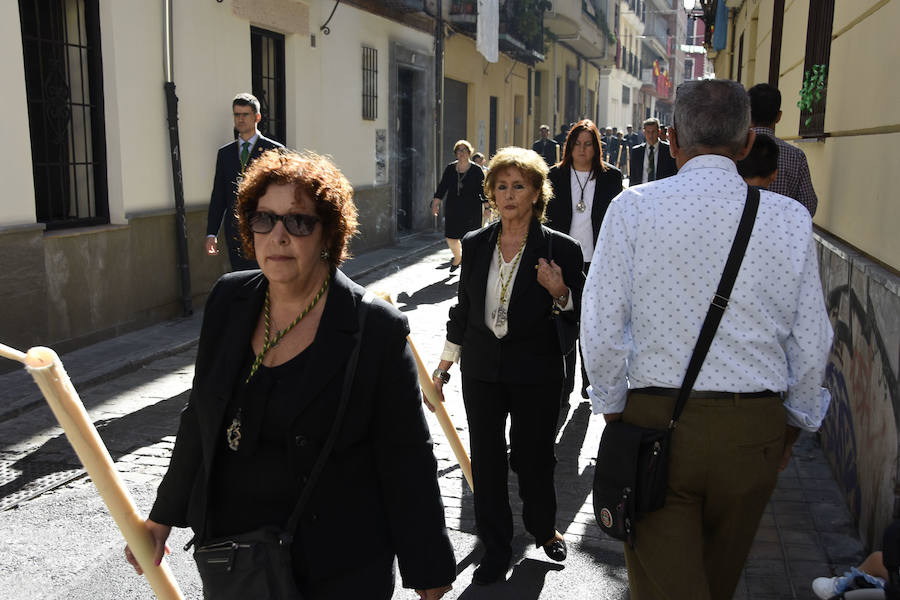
column 224, row 192
column 559, row 210
column 665, row 164
column 378, row 494
column 529, row 352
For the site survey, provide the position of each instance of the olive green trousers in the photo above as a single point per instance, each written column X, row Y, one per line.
column 723, row 469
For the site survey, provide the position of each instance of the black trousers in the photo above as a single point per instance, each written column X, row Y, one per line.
column 570, row 365
column 533, row 410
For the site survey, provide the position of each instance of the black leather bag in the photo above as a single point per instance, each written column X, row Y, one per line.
column 258, row 564
column 250, row 565
column 631, row 475
column 566, row 328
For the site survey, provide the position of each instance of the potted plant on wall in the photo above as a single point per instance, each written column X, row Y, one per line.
column 812, row 100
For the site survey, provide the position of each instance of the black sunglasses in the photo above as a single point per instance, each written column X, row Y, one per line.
column 296, row 224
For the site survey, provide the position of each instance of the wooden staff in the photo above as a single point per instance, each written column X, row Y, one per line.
column 48, row 372
column 434, row 399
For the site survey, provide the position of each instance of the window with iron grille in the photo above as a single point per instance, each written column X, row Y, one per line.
column 370, row 83
column 626, row 95
column 268, row 81
column 64, row 92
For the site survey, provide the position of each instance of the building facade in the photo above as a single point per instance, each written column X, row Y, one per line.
column 88, row 226
column 850, row 130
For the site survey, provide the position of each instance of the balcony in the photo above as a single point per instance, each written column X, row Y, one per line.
column 521, row 26
column 581, row 27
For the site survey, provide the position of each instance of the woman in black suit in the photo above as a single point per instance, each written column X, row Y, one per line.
column 503, row 331
column 270, row 369
column 583, row 186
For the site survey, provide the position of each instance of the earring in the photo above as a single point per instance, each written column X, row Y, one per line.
column 324, row 254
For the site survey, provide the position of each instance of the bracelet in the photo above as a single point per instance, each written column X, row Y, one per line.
column 441, row 374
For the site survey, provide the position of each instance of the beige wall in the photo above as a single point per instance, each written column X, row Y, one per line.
column 464, row 63
column 17, row 201
column 851, row 168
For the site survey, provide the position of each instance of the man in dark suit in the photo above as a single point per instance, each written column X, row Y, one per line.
column 651, row 160
column 547, row 147
column 231, row 162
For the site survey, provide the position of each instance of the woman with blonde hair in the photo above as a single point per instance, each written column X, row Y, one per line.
column 517, row 276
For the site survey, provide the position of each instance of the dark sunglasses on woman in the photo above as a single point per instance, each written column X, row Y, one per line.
column 296, row 224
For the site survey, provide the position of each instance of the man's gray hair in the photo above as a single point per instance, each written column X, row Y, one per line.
column 712, row 113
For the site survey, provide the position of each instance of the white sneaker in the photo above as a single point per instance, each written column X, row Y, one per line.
column 829, row 587
column 823, row 587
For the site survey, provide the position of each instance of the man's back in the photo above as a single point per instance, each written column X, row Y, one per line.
column 677, row 262
column 793, row 179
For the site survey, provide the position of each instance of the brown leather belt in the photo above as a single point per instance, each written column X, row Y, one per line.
column 673, row 393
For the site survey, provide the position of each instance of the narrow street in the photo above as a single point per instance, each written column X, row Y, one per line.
column 63, row 544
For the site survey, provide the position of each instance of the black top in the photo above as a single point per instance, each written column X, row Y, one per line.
column 258, row 485
column 378, row 495
column 464, row 194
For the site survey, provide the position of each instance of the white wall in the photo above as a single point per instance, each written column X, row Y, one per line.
column 138, row 168
column 338, row 128
column 17, row 200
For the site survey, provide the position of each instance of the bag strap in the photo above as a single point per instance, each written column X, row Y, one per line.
column 338, row 417
column 719, row 301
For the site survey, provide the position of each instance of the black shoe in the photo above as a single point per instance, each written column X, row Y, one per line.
column 489, row 572
column 556, row 550
column 453, row 267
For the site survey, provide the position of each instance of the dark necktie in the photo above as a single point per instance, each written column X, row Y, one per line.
column 245, row 155
column 651, row 167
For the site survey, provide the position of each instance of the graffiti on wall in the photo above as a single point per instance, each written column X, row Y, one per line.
column 859, row 434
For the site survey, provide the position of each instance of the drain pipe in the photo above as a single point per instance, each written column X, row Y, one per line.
column 184, row 269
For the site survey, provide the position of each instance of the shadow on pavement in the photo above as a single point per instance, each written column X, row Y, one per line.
column 121, row 436
column 525, row 583
column 434, row 293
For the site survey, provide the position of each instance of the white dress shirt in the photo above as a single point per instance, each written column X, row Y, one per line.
column 659, row 257
column 582, row 229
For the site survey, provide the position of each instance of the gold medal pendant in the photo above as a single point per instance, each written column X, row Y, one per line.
column 501, row 316
column 233, row 433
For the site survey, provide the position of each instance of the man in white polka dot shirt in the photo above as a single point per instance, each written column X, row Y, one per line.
column 658, row 260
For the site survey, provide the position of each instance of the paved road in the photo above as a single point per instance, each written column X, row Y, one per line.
column 63, row 544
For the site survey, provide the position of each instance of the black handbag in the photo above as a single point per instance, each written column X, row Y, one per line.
column 631, row 475
column 258, row 564
column 566, row 329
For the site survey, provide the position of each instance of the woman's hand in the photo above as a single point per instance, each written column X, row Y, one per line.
column 444, row 365
column 433, row 593
column 549, row 275
column 159, row 533
column 436, row 206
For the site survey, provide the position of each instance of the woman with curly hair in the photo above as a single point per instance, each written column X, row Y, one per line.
column 271, row 365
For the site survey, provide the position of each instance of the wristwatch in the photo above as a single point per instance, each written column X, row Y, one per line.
column 560, row 301
column 441, row 374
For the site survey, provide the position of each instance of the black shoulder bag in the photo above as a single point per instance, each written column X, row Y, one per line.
column 566, row 329
column 631, row 474
column 257, row 564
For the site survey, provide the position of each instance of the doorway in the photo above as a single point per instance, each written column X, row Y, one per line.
column 405, row 148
